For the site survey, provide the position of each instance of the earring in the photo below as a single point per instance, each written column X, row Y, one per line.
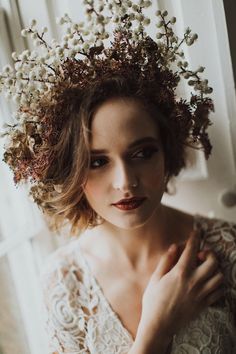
column 134, row 185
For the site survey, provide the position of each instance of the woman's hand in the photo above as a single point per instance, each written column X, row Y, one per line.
column 179, row 289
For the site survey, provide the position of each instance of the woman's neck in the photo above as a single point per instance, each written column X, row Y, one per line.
column 139, row 246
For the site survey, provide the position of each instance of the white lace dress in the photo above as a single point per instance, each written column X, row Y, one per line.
column 79, row 318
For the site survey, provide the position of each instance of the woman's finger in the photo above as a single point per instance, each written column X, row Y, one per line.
column 207, row 268
column 211, row 285
column 188, row 259
column 167, row 261
column 214, row 296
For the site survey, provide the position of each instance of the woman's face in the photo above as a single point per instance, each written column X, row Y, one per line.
column 126, row 150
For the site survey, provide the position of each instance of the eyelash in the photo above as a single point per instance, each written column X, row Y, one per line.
column 148, row 152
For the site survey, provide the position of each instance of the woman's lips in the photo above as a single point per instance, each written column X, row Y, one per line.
column 130, row 205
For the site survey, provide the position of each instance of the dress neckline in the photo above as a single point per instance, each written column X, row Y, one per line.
column 98, row 287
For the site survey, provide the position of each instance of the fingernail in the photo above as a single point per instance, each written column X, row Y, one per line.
column 172, row 248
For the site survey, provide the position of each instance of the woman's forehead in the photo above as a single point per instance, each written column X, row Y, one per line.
column 121, row 118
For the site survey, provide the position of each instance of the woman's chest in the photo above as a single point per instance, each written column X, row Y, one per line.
column 123, row 292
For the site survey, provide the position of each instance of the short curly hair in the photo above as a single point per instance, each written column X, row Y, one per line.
column 61, row 195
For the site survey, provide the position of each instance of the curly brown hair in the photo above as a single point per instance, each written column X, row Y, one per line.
column 61, row 194
column 58, row 93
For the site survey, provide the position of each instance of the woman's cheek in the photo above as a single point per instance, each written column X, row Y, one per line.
column 93, row 189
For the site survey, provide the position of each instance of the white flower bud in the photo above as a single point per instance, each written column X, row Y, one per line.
column 14, row 56
column 9, row 82
column 135, row 7
column 116, row 19
column 158, row 13
column 85, row 46
column 51, row 78
column 147, row 4
column 165, row 13
column 7, row 69
column 33, row 23
column 37, row 43
column 24, row 32
column 44, row 29
column 173, row 20
column 19, row 75
column 60, row 20
column 200, row 69
column 159, row 35
column 188, row 30
column 146, row 21
column 34, row 35
column 191, row 82
column 60, row 51
column 75, row 41
column 160, row 24
column 187, row 75
column 140, row 17
column 100, row 19
column 19, row 85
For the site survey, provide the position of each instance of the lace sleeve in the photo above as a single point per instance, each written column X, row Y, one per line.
column 221, row 237
column 64, row 319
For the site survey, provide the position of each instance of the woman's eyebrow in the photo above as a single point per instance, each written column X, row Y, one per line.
column 141, row 141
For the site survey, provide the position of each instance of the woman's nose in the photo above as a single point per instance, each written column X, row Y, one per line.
column 124, row 177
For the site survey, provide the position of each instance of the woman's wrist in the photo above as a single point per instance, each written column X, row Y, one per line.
column 146, row 343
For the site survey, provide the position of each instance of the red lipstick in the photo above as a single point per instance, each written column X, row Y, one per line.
column 129, row 203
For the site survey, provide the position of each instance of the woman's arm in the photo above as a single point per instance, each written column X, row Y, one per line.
column 178, row 290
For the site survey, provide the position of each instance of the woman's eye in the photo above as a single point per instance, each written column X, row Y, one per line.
column 96, row 163
column 145, row 153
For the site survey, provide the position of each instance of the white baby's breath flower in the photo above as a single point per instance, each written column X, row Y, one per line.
column 44, row 29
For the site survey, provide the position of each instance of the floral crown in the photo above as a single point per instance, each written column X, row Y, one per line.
column 86, row 54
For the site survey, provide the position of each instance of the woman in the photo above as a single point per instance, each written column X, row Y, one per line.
column 101, row 133
column 140, row 280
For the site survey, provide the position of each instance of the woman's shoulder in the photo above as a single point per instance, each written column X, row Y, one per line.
column 217, row 232
column 219, row 236
column 63, row 260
